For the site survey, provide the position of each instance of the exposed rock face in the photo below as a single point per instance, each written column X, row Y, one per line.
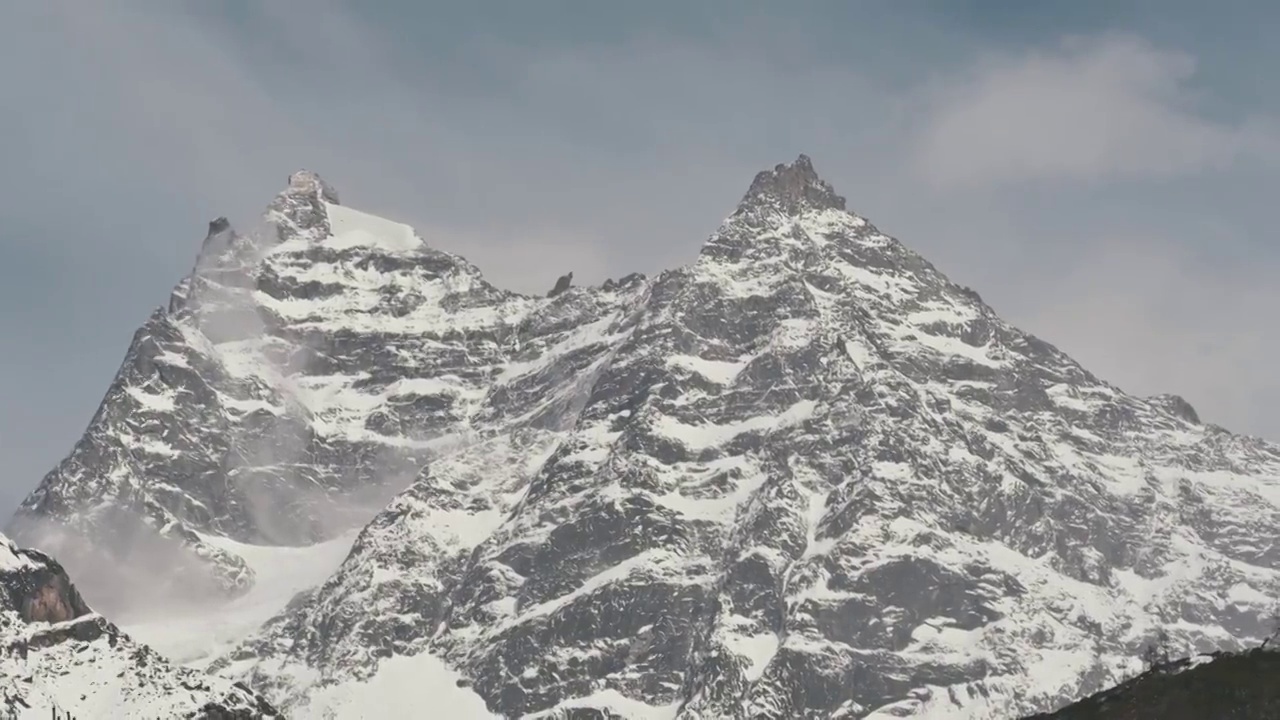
column 807, row 476
column 37, row 587
column 1178, row 406
column 792, row 189
column 58, row 656
column 232, row 412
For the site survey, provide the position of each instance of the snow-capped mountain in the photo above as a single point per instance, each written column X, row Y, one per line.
column 295, row 382
column 59, row 658
column 805, row 476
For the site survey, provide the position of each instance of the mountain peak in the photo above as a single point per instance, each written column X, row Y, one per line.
column 699, row 492
column 793, row 188
column 307, row 182
column 301, row 208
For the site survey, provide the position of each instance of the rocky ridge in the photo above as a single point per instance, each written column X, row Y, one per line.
column 58, row 656
column 805, row 476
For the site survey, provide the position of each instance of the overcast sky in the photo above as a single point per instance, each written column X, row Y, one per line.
column 1104, row 173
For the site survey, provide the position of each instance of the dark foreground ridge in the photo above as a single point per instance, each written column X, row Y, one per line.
column 1231, row 686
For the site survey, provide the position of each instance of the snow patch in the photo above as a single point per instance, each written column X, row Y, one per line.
column 717, row 371
column 709, row 435
column 614, row 702
column 11, row 560
column 352, row 228
column 758, row 650
column 155, row 402
column 403, row 686
column 859, row 353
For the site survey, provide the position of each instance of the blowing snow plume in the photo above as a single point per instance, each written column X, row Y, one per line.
column 262, row 405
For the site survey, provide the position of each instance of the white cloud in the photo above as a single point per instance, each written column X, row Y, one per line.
column 1155, row 318
column 1098, row 109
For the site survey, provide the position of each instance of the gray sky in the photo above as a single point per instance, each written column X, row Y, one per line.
column 1102, row 172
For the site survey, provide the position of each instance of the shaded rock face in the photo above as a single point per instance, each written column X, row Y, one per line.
column 561, row 285
column 1178, row 406
column 794, row 188
column 39, row 590
column 806, row 476
column 53, row 601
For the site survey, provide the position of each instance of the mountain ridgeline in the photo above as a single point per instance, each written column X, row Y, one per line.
column 805, row 476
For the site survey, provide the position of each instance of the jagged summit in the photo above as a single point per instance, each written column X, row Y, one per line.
column 793, row 188
column 218, row 225
column 308, row 182
column 805, row 476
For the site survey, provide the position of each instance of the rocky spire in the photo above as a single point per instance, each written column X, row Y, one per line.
column 218, row 225
column 306, row 182
column 562, row 284
column 300, row 209
column 792, row 189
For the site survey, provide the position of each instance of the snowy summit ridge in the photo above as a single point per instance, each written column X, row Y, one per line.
column 805, row 476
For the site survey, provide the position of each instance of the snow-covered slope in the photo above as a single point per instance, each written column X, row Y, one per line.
column 299, row 378
column 58, row 657
column 806, row 476
column 196, row 634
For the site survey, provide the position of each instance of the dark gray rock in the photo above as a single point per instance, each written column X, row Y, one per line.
column 562, row 284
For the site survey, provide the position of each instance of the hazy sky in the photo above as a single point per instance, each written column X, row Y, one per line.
column 1104, row 173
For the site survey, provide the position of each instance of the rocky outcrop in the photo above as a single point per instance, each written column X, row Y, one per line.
column 562, row 284
column 38, row 588
column 1178, row 406
column 60, row 659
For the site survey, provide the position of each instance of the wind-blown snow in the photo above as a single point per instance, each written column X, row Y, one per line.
column 83, row 666
column 194, row 636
